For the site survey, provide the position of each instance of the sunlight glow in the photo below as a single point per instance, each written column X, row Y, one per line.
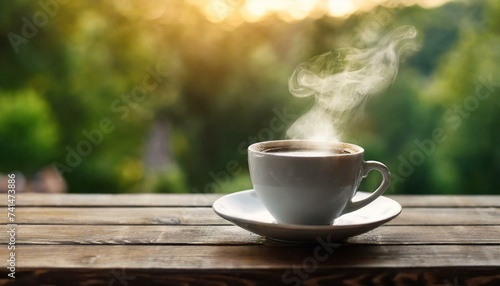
column 340, row 8
column 298, row 10
column 217, row 11
column 255, row 10
column 235, row 12
column 288, row 10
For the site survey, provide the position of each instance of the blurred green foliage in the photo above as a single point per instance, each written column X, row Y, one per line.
column 216, row 89
column 28, row 131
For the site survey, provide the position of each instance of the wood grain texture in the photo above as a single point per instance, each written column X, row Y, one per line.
column 114, row 215
column 178, row 240
column 206, row 200
column 447, row 201
column 443, row 276
column 127, row 234
column 256, row 257
column 110, row 200
column 233, row 235
column 206, row 216
column 448, row 216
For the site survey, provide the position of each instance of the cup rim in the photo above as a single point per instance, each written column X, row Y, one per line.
column 261, row 147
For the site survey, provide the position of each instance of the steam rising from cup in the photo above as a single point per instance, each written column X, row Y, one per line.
column 341, row 82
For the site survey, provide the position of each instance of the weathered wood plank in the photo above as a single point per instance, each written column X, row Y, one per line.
column 481, row 235
column 204, row 200
column 436, row 201
column 93, row 215
column 448, row 216
column 104, row 200
column 255, row 257
column 233, row 235
column 445, row 276
column 136, row 234
column 175, row 242
column 206, row 216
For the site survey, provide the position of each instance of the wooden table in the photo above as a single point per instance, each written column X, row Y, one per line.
column 148, row 239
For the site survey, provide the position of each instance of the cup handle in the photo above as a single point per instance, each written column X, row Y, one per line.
column 369, row 166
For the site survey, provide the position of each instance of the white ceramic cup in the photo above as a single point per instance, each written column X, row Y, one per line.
column 311, row 182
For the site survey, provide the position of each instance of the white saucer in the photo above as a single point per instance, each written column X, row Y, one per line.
column 244, row 209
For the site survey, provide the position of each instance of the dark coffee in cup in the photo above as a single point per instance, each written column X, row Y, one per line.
column 305, row 152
